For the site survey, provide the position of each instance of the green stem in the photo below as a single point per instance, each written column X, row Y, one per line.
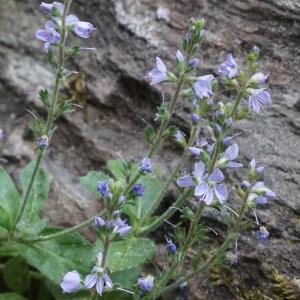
column 28, row 191
column 63, row 232
column 51, row 113
column 193, row 135
column 105, row 251
column 168, row 213
column 165, row 122
column 216, row 255
column 188, row 243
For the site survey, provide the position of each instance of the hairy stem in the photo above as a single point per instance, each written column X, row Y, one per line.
column 168, row 213
column 51, row 112
column 193, row 135
column 228, row 241
column 65, row 231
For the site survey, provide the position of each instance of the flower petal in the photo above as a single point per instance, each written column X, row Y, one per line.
column 100, row 285
column 160, row 65
column 261, row 200
column 232, row 152
column 201, row 189
column 185, row 181
column 216, row 176
column 234, row 165
column 199, row 169
column 209, row 197
column 90, row 281
column 221, row 192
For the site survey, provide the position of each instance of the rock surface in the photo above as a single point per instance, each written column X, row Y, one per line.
column 118, row 103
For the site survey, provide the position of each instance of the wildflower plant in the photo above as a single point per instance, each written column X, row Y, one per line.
column 113, row 266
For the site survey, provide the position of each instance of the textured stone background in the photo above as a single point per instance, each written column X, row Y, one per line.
column 118, row 103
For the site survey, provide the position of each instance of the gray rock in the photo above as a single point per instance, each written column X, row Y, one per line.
column 118, row 103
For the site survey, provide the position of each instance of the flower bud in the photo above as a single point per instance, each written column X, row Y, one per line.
column 195, row 118
column 42, row 142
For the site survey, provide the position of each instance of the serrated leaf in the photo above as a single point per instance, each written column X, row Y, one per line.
column 129, row 253
column 9, row 200
column 54, row 258
column 90, row 180
column 39, row 192
column 44, row 97
column 16, row 275
column 117, row 296
column 11, row 296
column 125, row 279
column 116, row 167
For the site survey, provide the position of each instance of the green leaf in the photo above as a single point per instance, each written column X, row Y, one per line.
column 11, row 296
column 117, row 296
column 129, row 253
column 153, row 187
column 53, row 258
column 9, row 200
column 44, row 97
column 39, row 192
column 16, row 275
column 116, row 167
column 125, row 279
column 90, row 180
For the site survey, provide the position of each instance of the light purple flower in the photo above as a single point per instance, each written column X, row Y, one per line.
column 260, row 193
column 258, row 78
column 203, row 86
column 83, row 29
column 71, row 282
column 145, row 165
column 171, row 247
column 49, row 7
column 146, row 284
column 178, row 136
column 206, row 185
column 228, row 122
column 258, row 99
column 71, row 20
column 195, row 151
column 262, row 234
column 103, row 188
column 179, row 56
column 42, row 142
column 195, row 118
column 158, row 74
column 193, row 63
column 258, row 170
column 229, row 67
column 48, row 35
column 256, row 49
column 119, row 226
column 230, row 154
column 98, row 278
column 99, row 222
column 211, row 186
column 228, row 141
column 138, row 190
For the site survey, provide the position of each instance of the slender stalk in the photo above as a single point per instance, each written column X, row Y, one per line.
column 63, row 232
column 188, row 243
column 51, row 113
column 193, row 135
column 165, row 122
column 217, row 254
column 238, row 100
column 168, row 213
column 105, row 251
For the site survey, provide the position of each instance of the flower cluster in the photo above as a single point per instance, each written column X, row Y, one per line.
column 52, row 32
column 98, row 279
